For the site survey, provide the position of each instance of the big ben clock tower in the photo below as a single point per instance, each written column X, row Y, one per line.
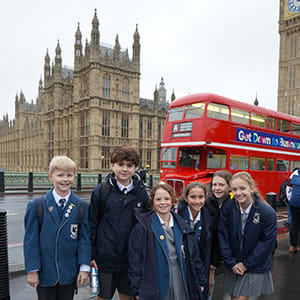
column 289, row 58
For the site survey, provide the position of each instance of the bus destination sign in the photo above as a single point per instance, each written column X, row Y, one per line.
column 266, row 139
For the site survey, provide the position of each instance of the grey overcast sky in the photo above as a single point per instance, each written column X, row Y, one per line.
column 228, row 47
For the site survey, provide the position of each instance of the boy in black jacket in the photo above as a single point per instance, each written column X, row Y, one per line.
column 111, row 219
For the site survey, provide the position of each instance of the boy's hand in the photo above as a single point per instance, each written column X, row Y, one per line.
column 82, row 277
column 211, row 278
column 94, row 264
column 33, row 279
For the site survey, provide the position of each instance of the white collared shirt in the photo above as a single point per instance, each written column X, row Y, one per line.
column 128, row 187
column 171, row 222
column 197, row 219
column 58, row 197
column 247, row 210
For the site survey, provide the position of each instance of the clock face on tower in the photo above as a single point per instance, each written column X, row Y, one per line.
column 294, row 5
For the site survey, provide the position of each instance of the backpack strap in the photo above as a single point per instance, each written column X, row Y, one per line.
column 39, row 208
column 104, row 191
column 81, row 209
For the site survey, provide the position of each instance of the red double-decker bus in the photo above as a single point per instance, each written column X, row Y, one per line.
column 205, row 132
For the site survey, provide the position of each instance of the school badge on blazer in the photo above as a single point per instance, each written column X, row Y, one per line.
column 74, row 231
column 256, row 218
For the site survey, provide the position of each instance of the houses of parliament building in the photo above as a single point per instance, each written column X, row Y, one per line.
column 85, row 111
column 289, row 58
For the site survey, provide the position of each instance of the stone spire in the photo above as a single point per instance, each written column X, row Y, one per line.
column 77, row 48
column 47, row 67
column 136, row 48
column 95, row 37
column 117, row 49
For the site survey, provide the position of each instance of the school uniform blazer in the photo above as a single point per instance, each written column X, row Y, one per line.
column 203, row 232
column 59, row 248
column 259, row 236
column 149, row 262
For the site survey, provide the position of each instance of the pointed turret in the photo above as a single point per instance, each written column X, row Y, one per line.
column 77, row 49
column 155, row 106
column 95, row 37
column 173, row 96
column 40, row 87
column 47, row 67
column 22, row 97
column 58, row 63
column 87, row 50
column 117, row 49
column 16, row 104
column 57, row 55
column 136, row 48
column 256, row 101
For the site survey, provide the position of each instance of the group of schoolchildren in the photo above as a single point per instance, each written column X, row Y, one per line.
column 149, row 248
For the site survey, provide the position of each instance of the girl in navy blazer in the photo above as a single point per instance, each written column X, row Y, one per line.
column 164, row 260
column 247, row 235
column 192, row 209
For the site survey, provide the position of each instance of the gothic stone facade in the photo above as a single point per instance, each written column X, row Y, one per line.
column 85, row 111
column 289, row 58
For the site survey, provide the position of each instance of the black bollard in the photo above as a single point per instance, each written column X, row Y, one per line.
column 4, row 279
column 78, row 187
column 271, row 198
column 99, row 178
column 30, row 182
column 2, row 183
column 150, row 182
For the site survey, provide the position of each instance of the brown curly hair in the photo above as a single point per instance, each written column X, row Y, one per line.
column 167, row 188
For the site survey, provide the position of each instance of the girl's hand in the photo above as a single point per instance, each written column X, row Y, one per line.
column 239, row 268
column 33, row 279
column 94, row 264
column 202, row 288
column 137, row 297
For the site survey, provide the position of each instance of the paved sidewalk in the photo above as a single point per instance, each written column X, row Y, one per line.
column 20, row 290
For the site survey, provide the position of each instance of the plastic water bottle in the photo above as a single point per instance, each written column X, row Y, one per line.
column 94, row 283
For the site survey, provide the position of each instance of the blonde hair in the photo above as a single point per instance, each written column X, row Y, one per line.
column 62, row 162
column 247, row 178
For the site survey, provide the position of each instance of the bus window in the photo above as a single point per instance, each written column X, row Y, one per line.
column 176, row 113
column 189, row 158
column 218, row 111
column 283, row 125
column 218, row 161
column 282, row 165
column 296, row 128
column 239, row 115
column 169, row 158
column 259, row 120
column 238, row 162
column 194, row 111
column 295, row 164
column 271, row 164
column 257, row 163
column 272, row 123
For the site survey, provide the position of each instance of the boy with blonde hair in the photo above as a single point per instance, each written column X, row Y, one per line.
column 56, row 242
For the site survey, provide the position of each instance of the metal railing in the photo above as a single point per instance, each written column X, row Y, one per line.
column 34, row 181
